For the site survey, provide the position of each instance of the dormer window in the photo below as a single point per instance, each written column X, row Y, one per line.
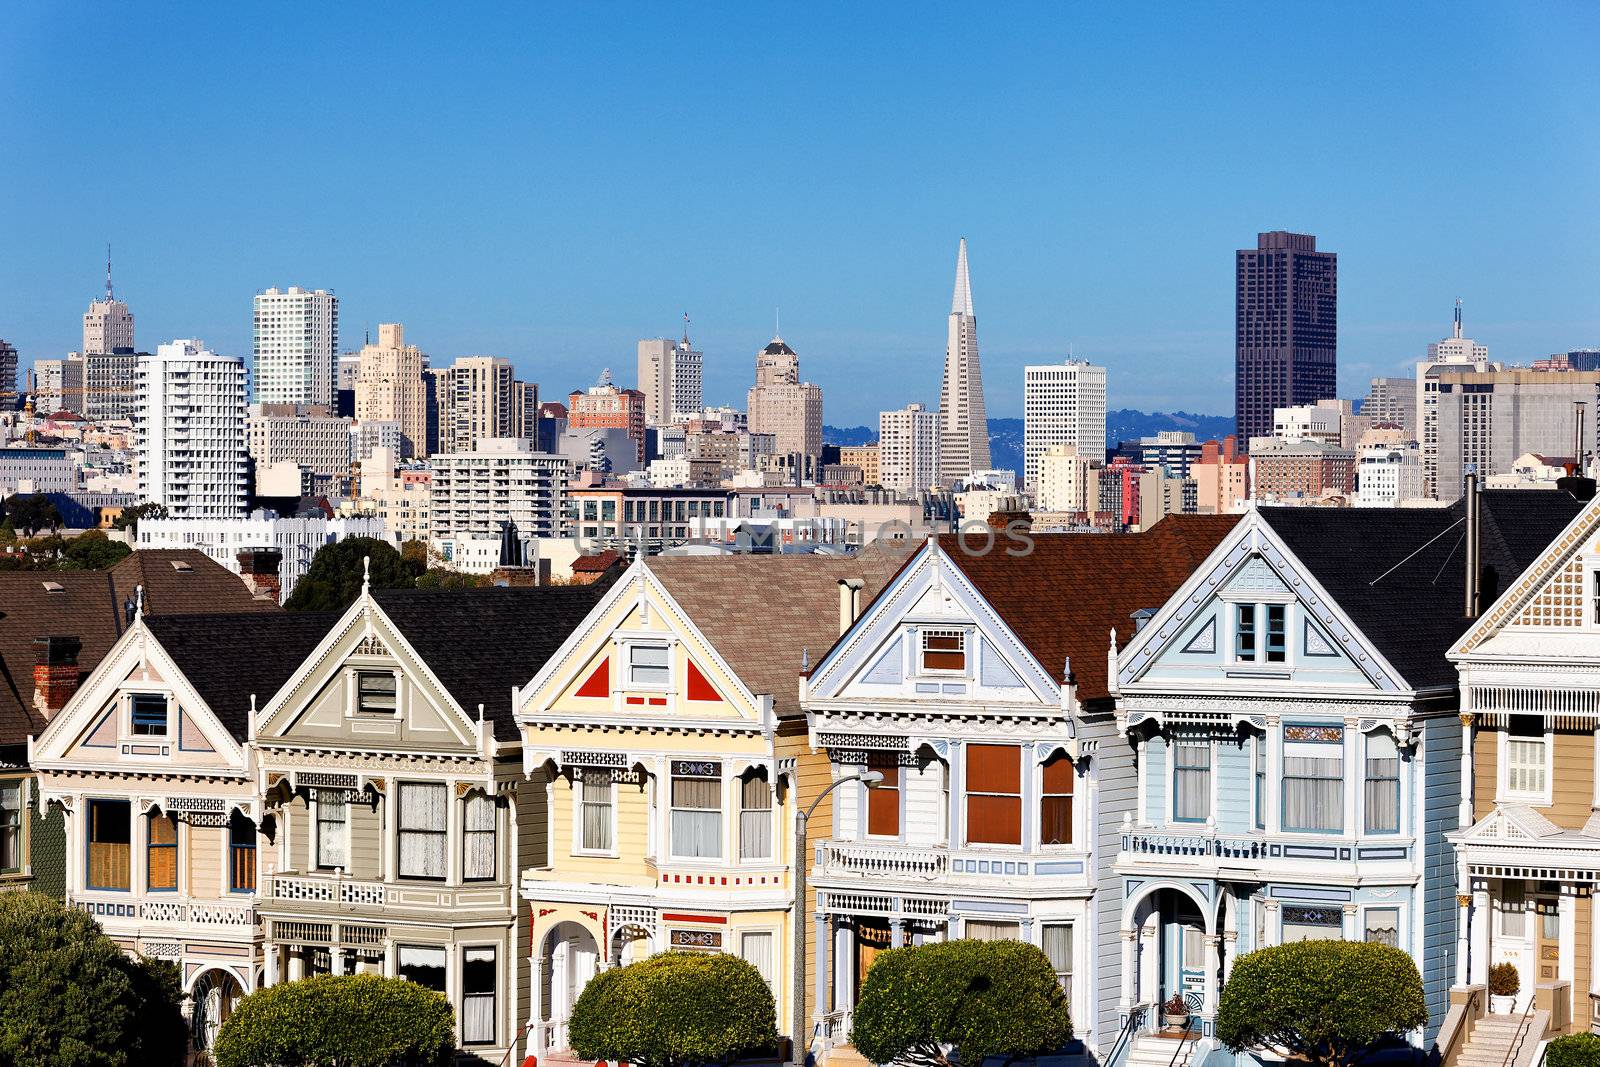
column 149, row 715
column 1261, row 633
column 649, row 666
column 944, row 650
column 375, row 692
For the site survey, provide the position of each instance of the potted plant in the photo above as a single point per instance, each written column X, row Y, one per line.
column 1175, row 1013
column 1504, row 984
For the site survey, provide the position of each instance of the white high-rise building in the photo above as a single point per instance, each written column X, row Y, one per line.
column 1454, row 353
column 502, row 479
column 189, row 431
column 1069, row 480
column 108, row 324
column 963, row 418
column 908, row 448
column 296, row 343
column 1388, row 475
column 1062, row 404
column 670, row 377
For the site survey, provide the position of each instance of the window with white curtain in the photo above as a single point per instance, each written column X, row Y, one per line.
column 11, row 825
column 595, row 828
column 1191, row 781
column 1058, row 947
column 1526, row 756
column 1382, row 925
column 1313, row 778
column 1513, row 909
column 477, row 995
column 1382, row 796
column 333, row 823
column 423, row 964
column 755, row 819
column 478, row 839
column 755, row 948
column 696, row 818
column 424, row 821
column 981, row 930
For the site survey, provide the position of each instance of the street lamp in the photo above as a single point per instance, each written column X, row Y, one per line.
column 802, row 859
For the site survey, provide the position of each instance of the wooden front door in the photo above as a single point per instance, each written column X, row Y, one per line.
column 872, row 937
column 1547, row 939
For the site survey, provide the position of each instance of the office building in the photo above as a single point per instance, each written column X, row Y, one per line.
column 36, row 470
column 227, row 539
column 296, row 338
column 1388, row 476
column 475, row 402
column 367, row 437
column 864, row 457
column 1286, row 329
column 108, row 324
column 501, row 480
column 1308, row 422
column 346, row 372
column 1300, row 470
column 908, row 449
column 1392, row 402
column 390, row 388
column 307, row 436
column 782, row 405
column 1173, row 451
column 8, row 375
column 1062, row 404
column 1454, row 353
column 57, row 384
column 189, row 431
column 1221, row 478
column 1577, row 359
column 605, row 407
column 525, row 409
column 670, row 374
column 963, row 419
column 111, row 385
column 1069, row 479
column 1487, row 419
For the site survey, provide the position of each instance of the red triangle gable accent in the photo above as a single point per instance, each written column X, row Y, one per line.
column 598, row 684
column 699, row 688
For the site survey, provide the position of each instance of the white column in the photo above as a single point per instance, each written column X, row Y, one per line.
column 297, row 964
column 336, row 959
column 1130, row 963
column 1354, row 773
column 388, row 848
column 452, row 838
column 1567, row 918
column 1465, row 946
column 824, row 966
column 1274, row 930
column 1468, row 800
column 1348, row 929
column 1274, row 786
column 391, row 965
column 1150, row 959
column 897, row 933
column 274, row 962
column 1213, row 966
column 1480, row 934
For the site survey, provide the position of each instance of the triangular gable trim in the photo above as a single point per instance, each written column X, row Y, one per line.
column 698, row 687
column 1512, row 823
column 1559, row 553
column 598, row 684
column 1253, row 537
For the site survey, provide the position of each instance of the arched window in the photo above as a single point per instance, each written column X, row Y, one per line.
column 1055, row 801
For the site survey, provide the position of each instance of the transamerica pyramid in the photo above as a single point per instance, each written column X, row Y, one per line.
column 963, row 424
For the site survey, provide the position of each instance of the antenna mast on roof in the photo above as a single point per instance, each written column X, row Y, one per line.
column 108, row 272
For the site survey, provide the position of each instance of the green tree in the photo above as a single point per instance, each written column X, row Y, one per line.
column 674, row 1008
column 129, row 519
column 1574, row 1050
column 980, row 998
column 355, row 1020
column 333, row 580
column 445, row 578
column 32, row 513
column 69, row 997
column 1329, row 1002
column 91, row 550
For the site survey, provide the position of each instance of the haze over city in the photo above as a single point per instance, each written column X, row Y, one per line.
column 553, row 184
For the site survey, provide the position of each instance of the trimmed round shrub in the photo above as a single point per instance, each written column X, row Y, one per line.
column 1504, row 981
column 1326, row 1001
column 674, row 1008
column 983, row 998
column 356, row 1020
column 1573, row 1050
column 70, row 997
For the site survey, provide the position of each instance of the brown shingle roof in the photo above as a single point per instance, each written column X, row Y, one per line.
column 761, row 613
column 596, row 563
column 1064, row 598
column 89, row 605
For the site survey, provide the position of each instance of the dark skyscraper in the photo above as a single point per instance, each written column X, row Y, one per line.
column 1286, row 329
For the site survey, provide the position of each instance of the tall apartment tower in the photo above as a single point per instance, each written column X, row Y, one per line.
column 525, row 410
column 108, row 324
column 963, row 420
column 784, row 406
column 189, row 431
column 1452, row 354
column 296, row 343
column 475, row 402
column 8, row 374
column 1062, row 404
column 670, row 375
column 908, row 449
column 1286, row 319
column 110, row 385
column 57, row 385
column 389, row 387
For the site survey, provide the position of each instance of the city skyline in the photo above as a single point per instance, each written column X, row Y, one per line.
column 479, row 252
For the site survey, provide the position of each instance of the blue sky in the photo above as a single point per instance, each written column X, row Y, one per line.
column 552, row 182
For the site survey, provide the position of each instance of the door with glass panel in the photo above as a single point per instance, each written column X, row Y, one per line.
column 1546, row 920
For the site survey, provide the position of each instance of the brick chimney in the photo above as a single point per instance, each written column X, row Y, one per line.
column 1000, row 520
column 259, row 569
column 55, row 672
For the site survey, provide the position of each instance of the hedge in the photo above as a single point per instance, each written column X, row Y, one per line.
column 1573, row 1050
column 357, row 1020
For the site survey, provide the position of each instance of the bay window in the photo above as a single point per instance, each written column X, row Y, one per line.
column 477, row 995
column 110, row 828
column 1260, row 759
column 595, row 796
column 161, row 853
column 424, row 819
column 883, row 799
column 1055, row 801
column 983, row 930
column 1382, row 796
column 994, row 794
column 478, row 839
column 333, row 822
column 1312, row 923
column 1058, row 947
column 696, row 817
column 755, row 819
column 422, row 964
column 755, row 948
column 1191, row 781
column 1313, row 778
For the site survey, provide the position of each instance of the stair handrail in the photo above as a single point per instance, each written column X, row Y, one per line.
column 1469, row 1016
column 1125, row 1036
column 521, row 1032
column 1522, row 1032
column 1183, row 1042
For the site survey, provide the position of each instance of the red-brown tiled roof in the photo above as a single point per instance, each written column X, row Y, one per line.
column 597, row 563
column 1064, row 598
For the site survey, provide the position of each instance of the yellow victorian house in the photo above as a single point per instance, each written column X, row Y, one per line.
column 668, row 737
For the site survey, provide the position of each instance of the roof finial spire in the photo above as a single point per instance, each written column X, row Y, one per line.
column 961, row 302
column 1458, row 318
column 108, row 271
column 686, row 328
column 366, row 574
column 777, row 324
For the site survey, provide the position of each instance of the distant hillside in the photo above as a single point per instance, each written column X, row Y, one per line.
column 1005, row 435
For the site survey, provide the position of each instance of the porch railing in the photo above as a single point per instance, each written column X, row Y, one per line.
column 1199, row 845
column 832, row 1028
column 883, row 862
column 325, row 890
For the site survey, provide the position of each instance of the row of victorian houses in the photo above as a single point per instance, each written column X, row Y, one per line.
column 1145, row 753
